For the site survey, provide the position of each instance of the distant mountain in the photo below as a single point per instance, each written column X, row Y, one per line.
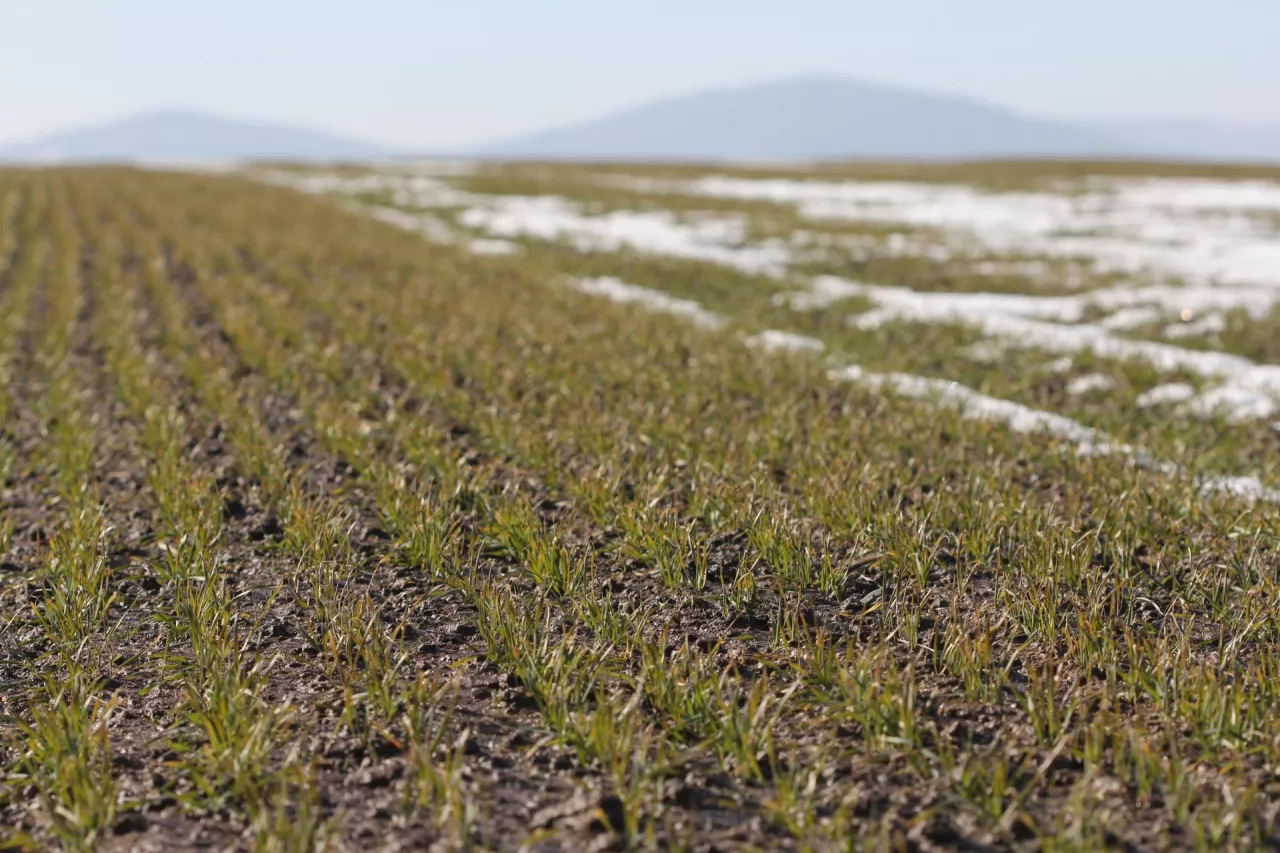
column 813, row 118
column 1199, row 140
column 175, row 136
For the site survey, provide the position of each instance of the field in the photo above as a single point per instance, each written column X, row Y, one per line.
column 562, row 507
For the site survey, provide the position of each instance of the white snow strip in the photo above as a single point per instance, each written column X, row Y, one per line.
column 412, row 189
column 972, row 404
column 1131, row 318
column 429, row 226
column 1089, row 383
column 1026, row 269
column 655, row 300
column 1020, row 418
column 1130, row 305
column 1209, row 324
column 718, row 239
column 1234, row 403
column 1201, row 231
column 712, row 237
column 979, row 406
column 1170, row 392
column 1061, row 365
column 823, row 292
column 1080, row 337
column 987, row 352
column 946, row 307
column 1189, row 301
column 1022, row 321
column 774, row 340
column 1247, row 488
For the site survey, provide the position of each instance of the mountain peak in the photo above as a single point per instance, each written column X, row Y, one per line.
column 812, row 117
column 175, row 134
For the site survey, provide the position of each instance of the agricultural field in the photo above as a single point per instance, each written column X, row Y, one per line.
column 454, row 506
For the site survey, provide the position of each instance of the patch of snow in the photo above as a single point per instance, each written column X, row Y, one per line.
column 1209, row 324
column 1089, row 383
column 431, row 227
column 947, row 307
column 655, row 300
column 1061, row 365
column 1204, row 232
column 1131, row 318
column 406, row 190
column 972, row 404
column 1170, row 392
column 1197, row 194
column 1019, row 418
column 978, row 406
column 986, row 352
column 1027, row 269
column 1234, row 403
column 899, row 245
column 773, row 340
column 1127, row 305
column 1084, row 337
column 719, row 240
column 1249, row 489
column 823, row 292
column 1190, row 300
column 1020, row 321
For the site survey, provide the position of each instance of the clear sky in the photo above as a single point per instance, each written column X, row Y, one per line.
column 435, row 73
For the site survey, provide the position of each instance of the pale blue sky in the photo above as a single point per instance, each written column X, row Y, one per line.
column 432, row 74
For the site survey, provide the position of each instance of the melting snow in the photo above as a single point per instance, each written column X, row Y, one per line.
column 972, row 404
column 1131, row 318
column 986, row 352
column 718, row 240
column 823, row 292
column 1089, row 383
column 772, row 340
column 1204, row 232
column 431, row 227
column 1061, row 365
column 1171, row 392
column 979, row 406
column 1020, row 418
column 1209, row 324
column 1218, row 237
column 1247, row 488
column 655, row 300
column 406, row 190
column 1050, row 322
column 1235, row 403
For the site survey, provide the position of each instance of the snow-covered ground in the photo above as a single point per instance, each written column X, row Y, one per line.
column 1179, row 255
column 972, row 404
column 1195, row 231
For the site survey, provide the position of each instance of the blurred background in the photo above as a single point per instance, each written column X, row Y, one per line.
column 149, row 80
